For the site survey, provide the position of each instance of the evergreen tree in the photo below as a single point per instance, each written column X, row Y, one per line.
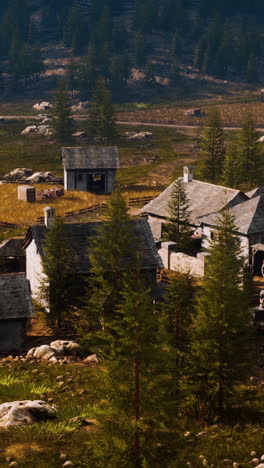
column 213, row 148
column 112, row 254
column 179, row 217
column 149, row 79
column 140, row 50
column 71, row 76
column 249, row 151
column 88, row 73
column 231, row 168
column 57, row 286
column 177, row 312
column 220, row 349
column 252, row 69
column 102, row 119
column 174, row 73
column 139, row 418
column 62, row 120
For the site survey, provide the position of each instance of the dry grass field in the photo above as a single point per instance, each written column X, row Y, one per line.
column 25, row 214
column 231, row 114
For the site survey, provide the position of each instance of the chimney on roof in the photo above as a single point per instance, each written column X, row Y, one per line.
column 187, row 174
column 49, row 216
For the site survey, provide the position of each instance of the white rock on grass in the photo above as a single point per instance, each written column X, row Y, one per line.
column 261, row 465
column 92, row 358
column 16, row 413
column 67, row 464
column 65, row 347
column 254, row 461
column 44, row 352
column 29, row 129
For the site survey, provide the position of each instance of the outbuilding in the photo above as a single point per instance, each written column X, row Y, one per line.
column 15, row 311
column 90, row 169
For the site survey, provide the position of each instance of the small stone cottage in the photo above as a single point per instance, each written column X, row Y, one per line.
column 206, row 201
column 91, row 169
column 15, row 311
column 79, row 234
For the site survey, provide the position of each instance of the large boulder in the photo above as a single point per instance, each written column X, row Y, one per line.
column 41, row 177
column 44, row 130
column 142, row 136
column 80, row 106
column 43, row 352
column 18, row 174
column 42, row 106
column 16, row 413
column 65, row 347
column 29, row 130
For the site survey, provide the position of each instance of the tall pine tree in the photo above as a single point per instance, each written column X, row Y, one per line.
column 178, row 228
column 62, row 120
column 213, row 148
column 220, row 348
column 102, row 117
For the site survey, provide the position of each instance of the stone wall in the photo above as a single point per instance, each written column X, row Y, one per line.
column 178, row 261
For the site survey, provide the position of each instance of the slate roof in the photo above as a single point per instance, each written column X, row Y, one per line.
column 92, row 157
column 12, row 248
column 255, row 192
column 15, row 297
column 204, row 198
column 79, row 234
column 249, row 216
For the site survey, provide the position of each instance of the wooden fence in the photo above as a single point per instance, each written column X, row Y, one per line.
column 98, row 208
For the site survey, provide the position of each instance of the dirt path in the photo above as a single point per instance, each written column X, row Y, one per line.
column 132, row 123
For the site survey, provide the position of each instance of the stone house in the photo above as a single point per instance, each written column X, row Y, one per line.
column 91, row 169
column 206, row 201
column 79, row 234
column 15, row 311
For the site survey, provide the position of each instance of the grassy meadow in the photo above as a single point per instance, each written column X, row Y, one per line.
column 76, row 390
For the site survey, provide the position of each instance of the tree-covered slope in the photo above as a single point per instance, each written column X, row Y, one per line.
column 221, row 38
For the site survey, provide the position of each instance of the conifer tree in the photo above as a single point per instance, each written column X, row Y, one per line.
column 177, row 312
column 220, row 349
column 213, row 148
column 71, row 76
column 231, row 167
column 102, row 118
column 179, row 217
column 112, row 253
column 174, row 73
column 57, row 286
column 62, row 120
column 149, row 79
column 249, row 151
column 138, row 384
column 140, row 50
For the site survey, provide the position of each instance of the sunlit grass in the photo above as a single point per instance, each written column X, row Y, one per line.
column 19, row 212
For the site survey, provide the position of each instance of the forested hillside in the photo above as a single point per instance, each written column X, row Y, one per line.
column 112, row 37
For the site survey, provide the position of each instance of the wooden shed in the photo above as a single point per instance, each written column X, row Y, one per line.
column 90, row 169
column 15, row 311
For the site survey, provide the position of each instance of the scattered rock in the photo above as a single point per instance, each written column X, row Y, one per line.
column 79, row 135
column 261, row 465
column 253, row 453
column 29, row 130
column 141, row 136
column 42, row 106
column 63, row 456
column 92, row 358
column 236, row 465
column 262, row 457
column 16, row 413
column 43, row 352
column 13, row 463
column 81, row 421
column 42, row 177
column 254, row 461
column 80, row 106
column 18, row 174
column 68, row 464
column 65, row 347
